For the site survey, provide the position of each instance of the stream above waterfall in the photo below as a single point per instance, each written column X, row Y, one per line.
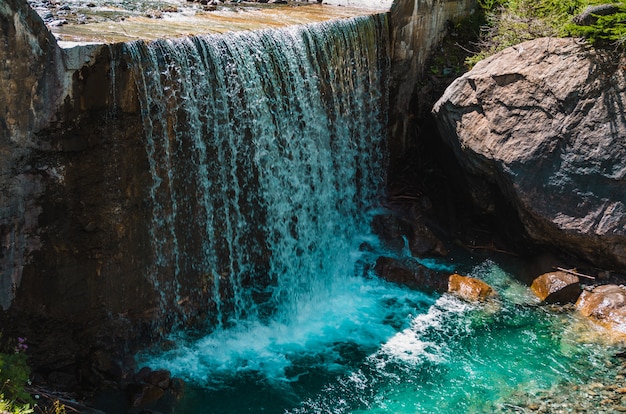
column 110, row 21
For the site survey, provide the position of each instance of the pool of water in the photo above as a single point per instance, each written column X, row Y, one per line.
column 375, row 347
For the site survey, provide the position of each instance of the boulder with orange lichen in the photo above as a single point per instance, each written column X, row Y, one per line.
column 557, row 287
column 469, row 288
column 605, row 306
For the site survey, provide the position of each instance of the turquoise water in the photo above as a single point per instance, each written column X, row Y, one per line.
column 374, row 347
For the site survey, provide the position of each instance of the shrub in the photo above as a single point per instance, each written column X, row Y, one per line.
column 510, row 22
column 14, row 377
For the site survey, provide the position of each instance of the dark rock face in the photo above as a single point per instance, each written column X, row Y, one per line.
column 399, row 229
column 557, row 287
column 417, row 27
column 545, row 121
column 28, row 84
column 73, row 177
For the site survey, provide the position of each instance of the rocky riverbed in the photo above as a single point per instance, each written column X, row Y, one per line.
column 598, row 395
column 109, row 21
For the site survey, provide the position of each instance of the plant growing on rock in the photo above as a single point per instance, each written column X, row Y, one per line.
column 510, row 22
column 14, row 377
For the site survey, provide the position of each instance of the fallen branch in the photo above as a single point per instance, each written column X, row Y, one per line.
column 490, row 248
column 70, row 404
column 575, row 273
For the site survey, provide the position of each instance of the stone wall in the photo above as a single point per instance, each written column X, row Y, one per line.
column 417, row 27
column 73, row 174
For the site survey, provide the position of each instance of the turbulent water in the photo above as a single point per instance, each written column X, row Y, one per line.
column 265, row 150
column 266, row 154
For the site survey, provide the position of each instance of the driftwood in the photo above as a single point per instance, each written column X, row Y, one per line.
column 575, row 273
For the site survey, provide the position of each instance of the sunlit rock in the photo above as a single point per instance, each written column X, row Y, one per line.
column 469, row 288
column 557, row 287
column 544, row 121
column 606, row 306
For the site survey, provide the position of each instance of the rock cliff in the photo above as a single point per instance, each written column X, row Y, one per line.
column 544, row 120
column 417, row 27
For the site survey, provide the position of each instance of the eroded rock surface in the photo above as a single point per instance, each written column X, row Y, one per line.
column 545, row 120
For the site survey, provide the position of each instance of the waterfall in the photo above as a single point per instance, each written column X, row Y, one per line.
column 265, row 150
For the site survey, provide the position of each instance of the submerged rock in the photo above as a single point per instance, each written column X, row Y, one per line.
column 606, row 306
column 544, row 121
column 410, row 274
column 557, row 287
column 469, row 288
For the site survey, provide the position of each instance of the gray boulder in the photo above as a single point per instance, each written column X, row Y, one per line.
column 545, row 121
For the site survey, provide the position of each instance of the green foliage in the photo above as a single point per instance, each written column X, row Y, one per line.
column 14, row 375
column 510, row 22
column 489, row 5
column 10, row 407
column 607, row 29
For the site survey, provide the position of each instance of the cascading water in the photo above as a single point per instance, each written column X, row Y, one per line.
column 264, row 148
column 266, row 152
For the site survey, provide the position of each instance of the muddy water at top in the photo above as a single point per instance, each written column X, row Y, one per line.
column 118, row 21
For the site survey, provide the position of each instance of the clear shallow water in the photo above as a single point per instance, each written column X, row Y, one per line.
column 374, row 347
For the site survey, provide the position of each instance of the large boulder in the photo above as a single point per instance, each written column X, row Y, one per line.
column 544, row 120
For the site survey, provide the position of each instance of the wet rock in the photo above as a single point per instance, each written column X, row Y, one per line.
column 106, row 364
column 410, row 274
column 424, row 242
column 400, row 229
column 557, row 287
column 391, row 230
column 606, row 306
column 160, row 378
column 143, row 394
column 177, row 387
column 142, row 374
column 469, row 288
